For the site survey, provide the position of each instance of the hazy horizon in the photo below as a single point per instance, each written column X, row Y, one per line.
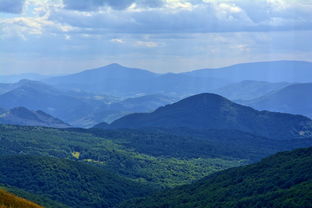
column 136, row 67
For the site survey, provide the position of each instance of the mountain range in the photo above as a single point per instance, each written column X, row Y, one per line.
column 172, row 152
column 118, row 80
column 274, row 71
column 76, row 107
column 211, row 111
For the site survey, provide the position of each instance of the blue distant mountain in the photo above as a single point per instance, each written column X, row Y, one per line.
column 295, row 99
column 18, row 77
column 247, row 90
column 118, row 80
column 274, row 71
column 76, row 107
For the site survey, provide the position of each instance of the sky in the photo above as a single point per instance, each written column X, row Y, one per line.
column 68, row 36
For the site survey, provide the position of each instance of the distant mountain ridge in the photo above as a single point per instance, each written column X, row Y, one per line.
column 248, row 89
column 77, row 108
column 295, row 99
column 23, row 116
column 123, row 81
column 211, row 111
column 274, row 71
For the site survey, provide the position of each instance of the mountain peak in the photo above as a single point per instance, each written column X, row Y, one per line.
column 114, row 65
column 204, row 100
column 211, row 111
column 207, row 96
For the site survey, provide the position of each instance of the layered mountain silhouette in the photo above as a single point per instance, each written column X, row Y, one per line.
column 77, row 108
column 282, row 180
column 295, row 99
column 248, row 89
column 37, row 95
column 119, row 80
column 274, row 71
column 211, row 111
column 24, row 116
column 147, row 103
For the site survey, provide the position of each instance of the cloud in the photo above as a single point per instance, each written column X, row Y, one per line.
column 31, row 26
column 92, row 5
column 11, row 6
column 147, row 44
column 162, row 34
column 184, row 16
column 116, row 40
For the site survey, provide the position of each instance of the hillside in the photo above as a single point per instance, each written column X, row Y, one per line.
column 103, row 151
column 274, row 71
column 247, row 90
column 23, row 116
column 116, row 110
column 282, row 180
column 73, row 183
column 184, row 143
column 211, row 111
column 295, row 99
column 8, row 200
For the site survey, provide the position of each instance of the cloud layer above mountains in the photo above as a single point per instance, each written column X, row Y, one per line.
column 125, row 29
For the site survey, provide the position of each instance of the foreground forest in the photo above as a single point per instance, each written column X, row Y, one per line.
column 281, row 180
column 96, row 167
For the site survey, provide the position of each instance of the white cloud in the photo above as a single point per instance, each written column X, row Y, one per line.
column 117, row 40
column 147, row 44
column 169, row 34
column 23, row 26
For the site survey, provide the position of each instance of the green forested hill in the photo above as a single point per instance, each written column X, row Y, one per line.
column 282, row 180
column 152, row 158
column 70, row 182
column 190, row 143
column 159, row 170
column 211, row 111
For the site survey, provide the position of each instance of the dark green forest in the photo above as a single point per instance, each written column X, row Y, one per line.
column 97, row 167
column 72, row 183
column 282, row 180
